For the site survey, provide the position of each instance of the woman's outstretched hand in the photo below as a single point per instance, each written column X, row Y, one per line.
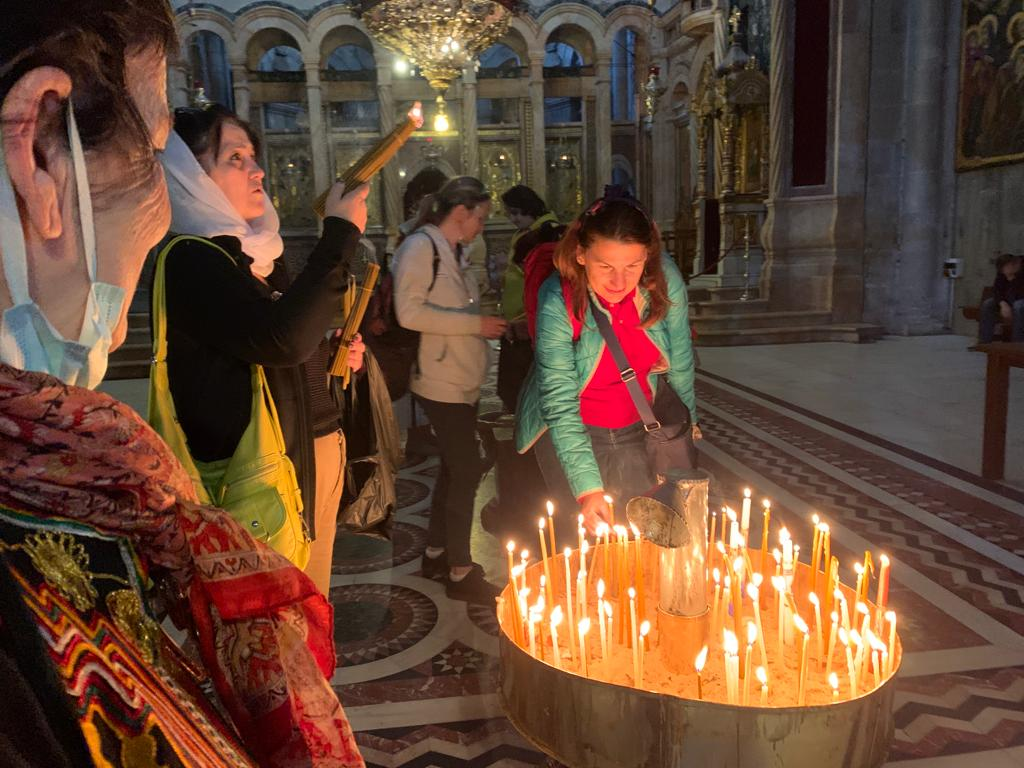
column 350, row 206
column 595, row 511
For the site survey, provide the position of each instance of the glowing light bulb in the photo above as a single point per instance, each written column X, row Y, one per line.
column 441, row 122
column 401, row 66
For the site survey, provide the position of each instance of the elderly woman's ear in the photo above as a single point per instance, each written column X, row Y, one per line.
column 35, row 149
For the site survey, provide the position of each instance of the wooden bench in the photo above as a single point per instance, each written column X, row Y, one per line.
column 1001, row 357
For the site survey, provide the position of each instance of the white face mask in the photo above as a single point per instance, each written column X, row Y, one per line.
column 27, row 338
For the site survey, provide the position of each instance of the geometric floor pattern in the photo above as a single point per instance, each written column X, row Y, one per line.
column 417, row 673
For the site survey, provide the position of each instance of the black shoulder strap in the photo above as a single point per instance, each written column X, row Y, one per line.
column 435, row 264
column 626, row 372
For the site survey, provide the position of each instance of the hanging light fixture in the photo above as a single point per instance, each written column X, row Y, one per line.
column 439, row 37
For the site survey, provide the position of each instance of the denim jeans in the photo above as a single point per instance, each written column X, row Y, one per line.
column 990, row 317
column 622, row 459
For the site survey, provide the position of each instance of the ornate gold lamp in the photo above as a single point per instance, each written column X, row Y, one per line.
column 440, row 37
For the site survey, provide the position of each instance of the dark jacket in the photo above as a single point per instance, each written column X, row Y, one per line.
column 221, row 319
column 1004, row 289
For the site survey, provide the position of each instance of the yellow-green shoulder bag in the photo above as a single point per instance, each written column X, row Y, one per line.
column 257, row 486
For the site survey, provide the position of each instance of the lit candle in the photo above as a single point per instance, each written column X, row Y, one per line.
column 534, row 617
column 541, row 525
column 845, row 640
column 826, row 532
column 625, row 630
column 865, row 623
column 604, row 530
column 600, row 619
column 890, row 616
column 716, row 576
column 639, row 570
column 540, row 608
column 737, row 596
column 702, row 657
column 632, row 623
column 731, row 647
column 762, row 678
column 584, row 628
column 832, row 642
column 726, row 599
column 815, row 544
column 511, row 549
column 764, row 537
column 551, row 530
column 779, row 583
column 711, row 538
column 556, row 619
column 751, row 637
column 517, row 632
column 875, row 661
column 787, row 552
column 754, row 593
column 581, row 592
column 524, row 611
column 868, row 570
column 833, row 680
column 801, row 625
column 611, row 506
column 745, row 514
column 844, row 609
column 813, row 598
column 567, row 553
column 777, row 555
column 581, row 532
column 859, row 570
column 721, row 535
column 608, row 613
column 883, row 583
column 645, row 628
column 524, row 560
column 858, row 657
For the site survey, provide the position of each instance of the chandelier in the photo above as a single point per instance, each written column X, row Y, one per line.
column 440, row 37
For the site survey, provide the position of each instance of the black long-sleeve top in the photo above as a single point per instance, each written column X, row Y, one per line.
column 221, row 319
column 1004, row 289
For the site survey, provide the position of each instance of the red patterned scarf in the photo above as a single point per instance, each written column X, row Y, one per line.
column 264, row 630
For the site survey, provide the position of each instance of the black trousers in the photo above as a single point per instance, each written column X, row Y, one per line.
column 451, row 509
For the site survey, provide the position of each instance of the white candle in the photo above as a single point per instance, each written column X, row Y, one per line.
column 716, row 576
column 702, row 657
column 890, row 616
column 754, row 592
column 802, row 688
column 584, row 628
column 762, row 678
column 844, row 608
column 645, row 628
column 567, row 553
column 831, row 642
column 608, row 613
column 857, row 641
column 780, row 586
column 859, row 570
column 632, row 625
column 600, row 619
column 833, row 680
column 751, row 637
column 533, row 640
column 556, row 619
column 732, row 669
column 745, row 514
column 581, row 592
column 813, row 598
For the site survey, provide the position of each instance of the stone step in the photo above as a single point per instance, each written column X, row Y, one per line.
column 760, row 320
column 854, row 333
column 702, row 309
column 700, row 294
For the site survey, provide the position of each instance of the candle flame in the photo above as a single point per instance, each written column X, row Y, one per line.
column 579, row 518
column 542, row 523
column 779, row 582
column 844, row 636
column 600, row 589
column 800, row 624
column 567, row 552
column 833, row 680
column 636, row 531
column 813, row 600
column 858, row 568
column 746, row 493
column 608, row 499
column 751, row 633
column 825, row 528
column 884, row 560
column 815, row 519
column 727, row 582
column 585, row 548
column 835, row 617
column 863, row 608
column 602, row 529
column 720, row 547
column 632, row 593
column 620, row 531
column 702, row 658
column 777, row 555
column 543, row 580
column 855, row 638
column 556, row 616
column 838, row 594
column 731, row 513
column 784, row 535
column 762, row 676
column 752, row 591
column 890, row 616
column 645, row 628
column 584, row 626
column 766, row 503
column 511, row 547
column 551, row 509
column 757, row 578
column 608, row 610
column 732, row 646
column 737, row 565
column 524, row 555
column 716, row 575
column 517, row 570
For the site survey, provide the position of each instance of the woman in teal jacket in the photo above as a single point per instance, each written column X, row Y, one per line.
column 575, row 409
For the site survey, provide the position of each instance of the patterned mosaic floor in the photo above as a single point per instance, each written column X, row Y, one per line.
column 417, row 672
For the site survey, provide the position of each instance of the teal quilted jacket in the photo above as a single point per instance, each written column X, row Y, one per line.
column 563, row 367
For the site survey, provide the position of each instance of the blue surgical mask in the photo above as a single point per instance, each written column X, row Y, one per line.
column 27, row 338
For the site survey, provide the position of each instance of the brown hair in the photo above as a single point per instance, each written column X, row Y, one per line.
column 462, row 190
column 622, row 220
column 201, row 128
column 89, row 40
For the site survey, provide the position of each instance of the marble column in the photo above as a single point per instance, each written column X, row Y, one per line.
column 240, row 88
column 322, row 175
column 603, row 119
column 468, row 129
column 536, row 155
column 389, row 175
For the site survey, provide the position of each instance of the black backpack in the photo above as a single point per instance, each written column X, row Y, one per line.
column 397, row 347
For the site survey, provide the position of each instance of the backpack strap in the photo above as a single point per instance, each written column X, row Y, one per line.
column 435, row 265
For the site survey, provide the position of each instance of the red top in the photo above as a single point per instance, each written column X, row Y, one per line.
column 606, row 402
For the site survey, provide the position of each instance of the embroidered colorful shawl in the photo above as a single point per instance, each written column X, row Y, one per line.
column 264, row 630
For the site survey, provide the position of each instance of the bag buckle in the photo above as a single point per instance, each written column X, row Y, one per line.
column 652, row 426
column 628, row 374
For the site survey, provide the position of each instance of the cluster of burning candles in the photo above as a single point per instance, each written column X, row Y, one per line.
column 555, row 614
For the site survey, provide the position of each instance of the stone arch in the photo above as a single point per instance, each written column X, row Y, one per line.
column 514, row 40
column 267, row 23
column 207, row 63
column 327, row 22
column 704, row 50
column 632, row 16
column 200, row 20
column 344, row 34
column 578, row 17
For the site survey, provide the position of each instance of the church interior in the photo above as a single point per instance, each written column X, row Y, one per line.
column 834, row 180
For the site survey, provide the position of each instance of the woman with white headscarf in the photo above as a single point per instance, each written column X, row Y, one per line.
column 231, row 304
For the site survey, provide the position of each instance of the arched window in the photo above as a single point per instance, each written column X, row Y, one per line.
column 281, row 58
column 208, row 66
column 352, row 62
column 624, row 75
column 562, row 60
column 499, row 61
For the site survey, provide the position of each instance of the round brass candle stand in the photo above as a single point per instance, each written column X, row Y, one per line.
column 587, row 723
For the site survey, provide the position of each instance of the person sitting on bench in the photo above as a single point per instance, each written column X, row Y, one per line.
column 1006, row 305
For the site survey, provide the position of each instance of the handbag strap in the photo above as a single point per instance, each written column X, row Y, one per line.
column 626, row 372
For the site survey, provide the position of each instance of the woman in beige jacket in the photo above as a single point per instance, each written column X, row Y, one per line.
column 436, row 295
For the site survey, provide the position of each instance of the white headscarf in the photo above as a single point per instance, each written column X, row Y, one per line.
column 199, row 207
